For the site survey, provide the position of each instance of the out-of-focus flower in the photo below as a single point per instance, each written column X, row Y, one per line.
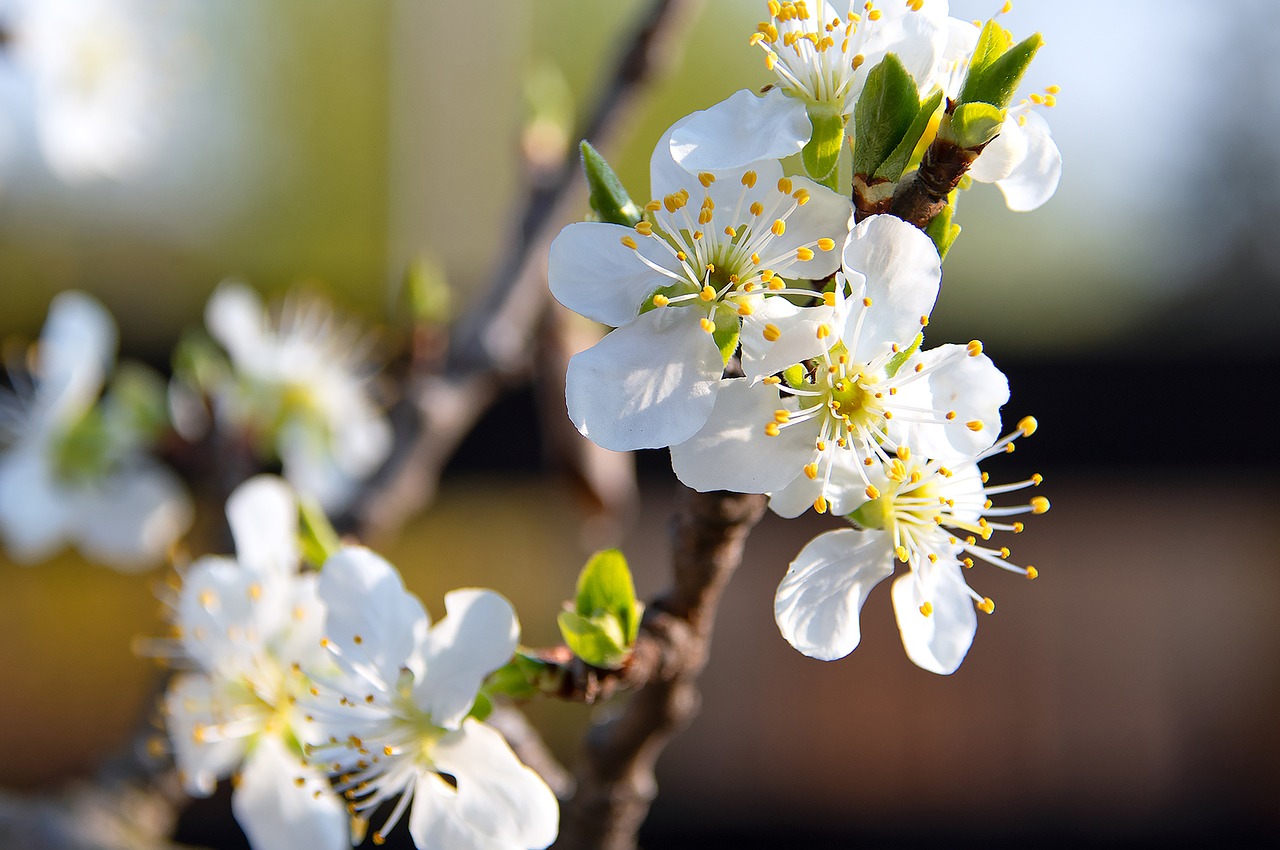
column 400, row 714
column 678, row 288
column 248, row 624
column 932, row 517
column 75, row 470
column 99, row 72
column 302, row 385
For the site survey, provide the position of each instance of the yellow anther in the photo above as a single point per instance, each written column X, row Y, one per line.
column 772, row 332
column 704, row 216
column 1018, row 527
column 661, row 300
column 255, row 591
column 1032, row 573
column 811, row 471
column 1007, row 7
column 779, row 227
column 872, row 492
column 933, row 558
column 802, row 196
column 951, row 415
column 903, row 453
column 1050, row 101
column 776, row 284
column 888, row 414
column 804, row 254
column 706, row 178
column 926, row 609
column 857, row 61
column 653, row 206
column 745, row 309
column 897, row 470
column 697, row 234
column 708, row 293
column 866, row 461
column 824, row 331
column 644, row 228
column 974, row 425
column 784, row 185
column 770, row 60
column 873, row 15
column 820, row 505
column 681, row 256
column 771, row 429
column 1037, row 99
column 1004, row 552
column 967, row 562
column 628, row 242
column 749, row 179
column 782, row 416
column 974, row 348
column 1022, row 120
column 866, row 302
column 1037, row 479
column 1028, row 425
column 829, row 299
column 730, row 232
column 1039, row 504
column 1052, row 89
column 902, row 553
column 826, row 244
column 707, row 325
column 208, row 598
column 987, row 606
column 771, row 380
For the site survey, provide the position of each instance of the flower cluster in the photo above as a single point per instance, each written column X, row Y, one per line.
column 293, row 675
column 774, row 340
column 74, row 467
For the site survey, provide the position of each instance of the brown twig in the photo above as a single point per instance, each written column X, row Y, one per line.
column 615, row 778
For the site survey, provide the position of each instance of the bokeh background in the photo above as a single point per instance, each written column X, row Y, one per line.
column 1128, row 696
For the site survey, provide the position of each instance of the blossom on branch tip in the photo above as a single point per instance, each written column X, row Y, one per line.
column 934, row 518
column 302, row 385
column 74, row 469
column 398, row 716
column 677, row 287
column 1023, row 161
column 248, row 625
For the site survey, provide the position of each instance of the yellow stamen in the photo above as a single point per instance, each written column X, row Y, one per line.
column 974, row 348
column 1039, row 504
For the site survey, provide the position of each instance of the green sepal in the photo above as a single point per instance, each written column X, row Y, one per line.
column 316, row 535
column 596, row 640
column 794, row 376
column 869, row 516
column 520, row 678
column 898, row 160
column 896, row 361
column 998, row 66
column 821, row 154
column 605, row 586
column 942, row 231
column 670, row 291
column 427, row 291
column 886, row 110
column 482, row 707
column 728, row 327
column 975, row 124
column 138, row 400
column 606, row 194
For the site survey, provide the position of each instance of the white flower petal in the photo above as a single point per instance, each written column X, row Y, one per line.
column 435, row 822
column 132, row 518
column 478, row 634
column 226, row 612
column 374, row 622
column 646, row 385
column 938, row 642
column 798, row 338
column 77, row 347
column 826, row 214
column 498, row 795
column 902, row 273
column 35, row 512
column 1002, row 154
column 1035, row 179
column 820, row 598
column 592, row 273
column 740, row 130
column 192, row 709
column 972, row 387
column 277, row 812
column 263, row 514
column 732, row 451
column 235, row 317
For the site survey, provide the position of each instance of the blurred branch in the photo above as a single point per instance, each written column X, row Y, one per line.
column 492, row 345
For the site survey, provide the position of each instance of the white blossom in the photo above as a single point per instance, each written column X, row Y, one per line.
column 302, row 384
column 246, row 624
column 399, row 717
column 1023, row 161
column 676, row 288
column 70, row 470
column 931, row 517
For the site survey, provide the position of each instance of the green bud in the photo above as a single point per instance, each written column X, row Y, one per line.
column 821, row 155
column 973, row 125
column 520, row 678
column 427, row 290
column 997, row 66
column 885, row 112
column 902, row 155
column 605, row 620
column 596, row 640
column 942, row 231
column 606, row 193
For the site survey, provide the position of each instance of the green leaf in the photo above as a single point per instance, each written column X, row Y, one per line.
column 728, row 327
column 138, row 400
column 821, row 155
column 885, row 112
column 606, row 193
column 427, row 291
column 794, row 376
column 605, row 587
column 598, row 641
column 319, row 540
column 198, row 361
column 519, row 678
column 975, row 124
column 898, row 160
column 997, row 66
column 942, row 231
column 482, row 707
column 84, row 451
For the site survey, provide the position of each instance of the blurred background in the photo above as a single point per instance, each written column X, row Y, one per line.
column 1126, row 697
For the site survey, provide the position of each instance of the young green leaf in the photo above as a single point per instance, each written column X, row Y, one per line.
column 942, row 231
column 606, row 194
column 898, row 160
column 885, row 112
column 596, row 640
column 975, row 124
column 605, row 587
